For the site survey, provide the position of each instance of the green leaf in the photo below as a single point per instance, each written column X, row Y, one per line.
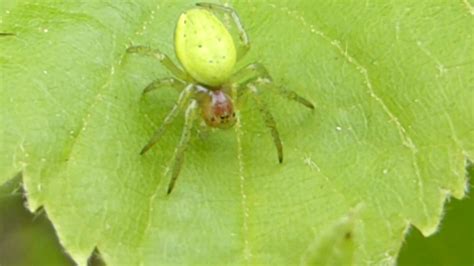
column 392, row 82
column 334, row 246
column 26, row 238
column 452, row 245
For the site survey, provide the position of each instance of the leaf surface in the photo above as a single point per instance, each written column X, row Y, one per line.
column 392, row 82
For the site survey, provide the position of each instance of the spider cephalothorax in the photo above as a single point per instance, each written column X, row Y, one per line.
column 207, row 53
column 217, row 109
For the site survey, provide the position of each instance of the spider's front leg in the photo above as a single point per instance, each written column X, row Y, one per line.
column 254, row 76
column 268, row 119
column 163, row 58
column 182, row 101
column 183, row 143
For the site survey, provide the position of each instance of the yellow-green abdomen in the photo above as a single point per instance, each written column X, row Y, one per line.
column 205, row 47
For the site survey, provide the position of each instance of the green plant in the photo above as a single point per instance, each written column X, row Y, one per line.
column 386, row 144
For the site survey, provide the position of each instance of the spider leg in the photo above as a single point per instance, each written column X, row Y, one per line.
column 164, row 82
column 244, row 38
column 268, row 119
column 183, row 143
column 292, row 95
column 183, row 99
column 163, row 58
column 257, row 73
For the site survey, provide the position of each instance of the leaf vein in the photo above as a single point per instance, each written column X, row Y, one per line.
column 245, row 208
column 405, row 138
column 469, row 7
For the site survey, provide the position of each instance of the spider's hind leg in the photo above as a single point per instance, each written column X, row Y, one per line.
column 163, row 58
column 164, row 82
column 244, row 38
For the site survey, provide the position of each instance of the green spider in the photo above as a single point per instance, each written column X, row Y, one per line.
column 206, row 51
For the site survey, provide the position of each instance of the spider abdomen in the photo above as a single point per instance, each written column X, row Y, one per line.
column 205, row 47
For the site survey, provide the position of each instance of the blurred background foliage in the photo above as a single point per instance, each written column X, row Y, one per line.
column 26, row 238
column 453, row 244
column 29, row 239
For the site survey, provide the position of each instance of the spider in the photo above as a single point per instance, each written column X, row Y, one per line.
column 207, row 79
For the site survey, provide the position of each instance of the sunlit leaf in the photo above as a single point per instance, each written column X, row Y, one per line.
column 392, row 82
